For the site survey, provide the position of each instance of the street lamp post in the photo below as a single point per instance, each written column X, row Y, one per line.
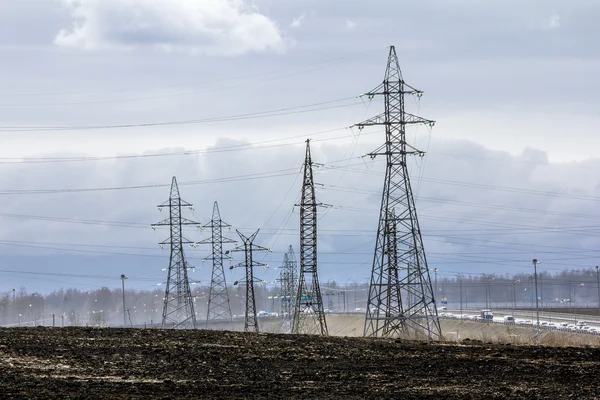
column 537, row 308
column 459, row 278
column 488, row 298
column 435, row 271
column 574, row 298
column 350, row 278
column 515, row 295
column 487, row 289
column 123, row 277
column 598, row 285
column 14, row 305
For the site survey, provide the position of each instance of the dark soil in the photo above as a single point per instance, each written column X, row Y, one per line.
column 91, row 363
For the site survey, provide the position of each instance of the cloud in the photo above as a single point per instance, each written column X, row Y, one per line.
column 224, row 27
column 350, row 25
column 554, row 22
column 466, row 209
column 297, row 22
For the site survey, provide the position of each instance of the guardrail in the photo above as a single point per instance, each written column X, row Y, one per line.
column 527, row 325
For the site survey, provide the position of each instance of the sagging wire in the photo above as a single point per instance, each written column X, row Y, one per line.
column 424, row 163
column 284, row 199
column 352, row 148
column 277, row 234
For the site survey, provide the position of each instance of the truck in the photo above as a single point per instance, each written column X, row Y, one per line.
column 486, row 315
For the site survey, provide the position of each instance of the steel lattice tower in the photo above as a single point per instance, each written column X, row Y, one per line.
column 399, row 264
column 288, row 277
column 219, row 307
column 309, row 316
column 178, row 310
column 248, row 247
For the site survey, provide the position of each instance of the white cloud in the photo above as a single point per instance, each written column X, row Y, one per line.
column 297, row 22
column 554, row 22
column 226, row 27
column 350, row 24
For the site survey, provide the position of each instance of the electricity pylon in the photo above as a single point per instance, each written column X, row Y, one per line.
column 219, row 307
column 248, row 247
column 309, row 316
column 399, row 263
column 178, row 310
column 288, row 276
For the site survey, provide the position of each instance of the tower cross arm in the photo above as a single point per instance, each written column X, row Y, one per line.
column 172, row 203
column 260, row 248
column 380, row 91
column 217, row 224
column 183, row 241
column 238, row 265
column 236, row 250
column 382, row 151
column 185, row 221
column 164, row 222
column 259, row 264
column 223, row 240
column 408, row 119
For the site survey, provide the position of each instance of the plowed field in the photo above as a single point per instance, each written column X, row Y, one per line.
column 122, row 363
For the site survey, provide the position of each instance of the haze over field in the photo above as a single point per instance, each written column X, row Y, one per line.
column 511, row 166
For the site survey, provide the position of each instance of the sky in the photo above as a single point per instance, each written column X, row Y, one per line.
column 116, row 94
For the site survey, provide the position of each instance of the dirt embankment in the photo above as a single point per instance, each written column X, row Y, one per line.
column 122, row 363
column 353, row 325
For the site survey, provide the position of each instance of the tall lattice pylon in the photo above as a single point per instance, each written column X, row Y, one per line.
column 219, row 307
column 399, row 264
column 248, row 247
column 288, row 276
column 309, row 315
column 178, row 309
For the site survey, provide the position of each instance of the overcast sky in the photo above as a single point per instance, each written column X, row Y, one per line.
column 512, row 165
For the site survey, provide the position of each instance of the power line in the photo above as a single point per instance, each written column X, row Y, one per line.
column 256, row 115
column 84, row 276
column 307, row 68
column 504, row 228
column 259, row 175
column 469, row 204
column 211, row 150
column 491, row 187
column 262, row 175
column 512, row 189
